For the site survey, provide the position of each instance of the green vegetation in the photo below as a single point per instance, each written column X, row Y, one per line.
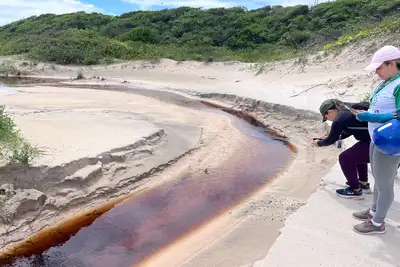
column 390, row 25
column 268, row 33
column 13, row 147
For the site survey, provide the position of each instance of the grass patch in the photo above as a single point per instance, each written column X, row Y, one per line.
column 13, row 146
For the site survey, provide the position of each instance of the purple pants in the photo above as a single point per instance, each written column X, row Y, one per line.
column 354, row 162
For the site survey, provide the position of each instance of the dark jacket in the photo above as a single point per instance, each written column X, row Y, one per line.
column 346, row 125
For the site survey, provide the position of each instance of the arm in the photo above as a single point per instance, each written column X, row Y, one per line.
column 334, row 134
column 381, row 118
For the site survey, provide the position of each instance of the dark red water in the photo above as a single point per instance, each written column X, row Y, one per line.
column 137, row 228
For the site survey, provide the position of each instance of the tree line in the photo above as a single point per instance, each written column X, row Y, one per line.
column 185, row 33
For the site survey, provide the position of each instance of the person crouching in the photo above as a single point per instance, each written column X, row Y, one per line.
column 354, row 160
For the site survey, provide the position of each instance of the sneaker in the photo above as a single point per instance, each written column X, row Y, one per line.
column 349, row 193
column 362, row 215
column 365, row 188
column 368, row 228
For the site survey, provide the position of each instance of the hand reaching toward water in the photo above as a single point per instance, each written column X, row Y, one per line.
column 315, row 140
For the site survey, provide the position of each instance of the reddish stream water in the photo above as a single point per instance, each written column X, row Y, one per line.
column 139, row 227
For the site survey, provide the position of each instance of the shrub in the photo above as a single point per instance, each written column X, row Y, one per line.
column 387, row 26
column 13, row 147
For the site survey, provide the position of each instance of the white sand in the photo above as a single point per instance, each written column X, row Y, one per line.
column 319, row 234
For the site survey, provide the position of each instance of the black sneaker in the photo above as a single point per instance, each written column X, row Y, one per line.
column 349, row 193
column 365, row 188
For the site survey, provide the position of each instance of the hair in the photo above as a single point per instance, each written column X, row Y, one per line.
column 397, row 63
column 339, row 105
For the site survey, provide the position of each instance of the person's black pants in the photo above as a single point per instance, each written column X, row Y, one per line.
column 354, row 163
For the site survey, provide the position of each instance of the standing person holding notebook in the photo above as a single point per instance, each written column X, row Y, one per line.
column 382, row 118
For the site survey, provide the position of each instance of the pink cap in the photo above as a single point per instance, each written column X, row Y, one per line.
column 386, row 53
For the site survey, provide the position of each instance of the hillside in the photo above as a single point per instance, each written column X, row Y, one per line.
column 268, row 33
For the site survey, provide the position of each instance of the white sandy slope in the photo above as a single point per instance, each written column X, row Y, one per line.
column 301, row 83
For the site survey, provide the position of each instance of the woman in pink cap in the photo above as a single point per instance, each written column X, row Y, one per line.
column 384, row 106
